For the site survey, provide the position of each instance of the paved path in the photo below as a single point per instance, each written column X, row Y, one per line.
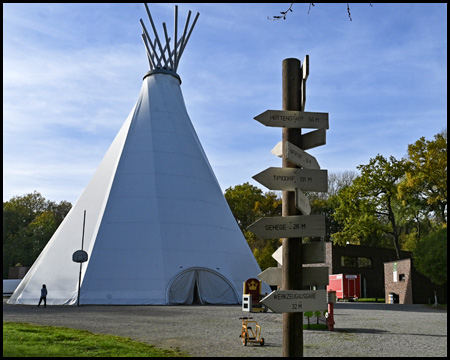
column 361, row 329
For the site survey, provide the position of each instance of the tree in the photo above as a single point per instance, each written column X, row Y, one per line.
column 425, row 184
column 430, row 256
column 29, row 222
column 248, row 203
column 326, row 203
column 369, row 208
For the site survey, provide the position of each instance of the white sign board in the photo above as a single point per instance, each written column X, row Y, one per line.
column 286, row 301
column 289, row 226
column 293, row 119
column 302, row 202
column 312, row 253
column 311, row 276
column 313, row 139
column 289, row 179
column 295, row 155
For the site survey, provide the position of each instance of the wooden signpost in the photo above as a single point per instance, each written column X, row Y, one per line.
column 300, row 171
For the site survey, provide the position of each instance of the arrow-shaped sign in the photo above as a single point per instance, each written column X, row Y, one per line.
column 295, row 155
column 293, row 119
column 290, row 178
column 302, row 202
column 313, row 139
column 289, row 226
column 312, row 253
column 285, row 301
column 311, row 276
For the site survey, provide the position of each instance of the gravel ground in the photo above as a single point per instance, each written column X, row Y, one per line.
column 361, row 329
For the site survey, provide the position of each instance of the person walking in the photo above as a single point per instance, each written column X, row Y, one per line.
column 43, row 295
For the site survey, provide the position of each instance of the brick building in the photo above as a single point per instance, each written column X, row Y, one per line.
column 408, row 285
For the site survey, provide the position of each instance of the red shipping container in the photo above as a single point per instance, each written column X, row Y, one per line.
column 346, row 286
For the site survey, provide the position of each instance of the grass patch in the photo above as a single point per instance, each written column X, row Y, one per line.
column 380, row 300
column 315, row 327
column 26, row 340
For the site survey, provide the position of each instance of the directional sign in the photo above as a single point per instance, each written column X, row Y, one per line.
column 302, row 202
column 286, row 301
column 305, row 74
column 313, row 139
column 290, row 178
column 271, row 275
column 289, row 226
column 311, row 276
column 295, row 155
column 312, row 253
column 293, row 119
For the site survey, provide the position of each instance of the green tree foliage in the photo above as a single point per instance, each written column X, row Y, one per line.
column 326, row 203
column 248, row 203
column 369, row 209
column 430, row 256
column 29, row 222
column 425, row 184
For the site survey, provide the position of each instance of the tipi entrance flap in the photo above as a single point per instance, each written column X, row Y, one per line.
column 202, row 286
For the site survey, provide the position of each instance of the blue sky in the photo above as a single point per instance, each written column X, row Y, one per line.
column 72, row 73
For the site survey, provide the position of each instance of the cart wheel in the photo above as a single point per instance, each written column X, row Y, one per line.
column 244, row 341
column 261, row 342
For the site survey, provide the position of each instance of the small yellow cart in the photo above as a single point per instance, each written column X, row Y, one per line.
column 248, row 334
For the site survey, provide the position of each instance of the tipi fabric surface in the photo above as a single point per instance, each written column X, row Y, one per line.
column 158, row 229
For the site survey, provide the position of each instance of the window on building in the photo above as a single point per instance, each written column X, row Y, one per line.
column 364, row 262
column 348, row 261
column 402, row 277
column 353, row 261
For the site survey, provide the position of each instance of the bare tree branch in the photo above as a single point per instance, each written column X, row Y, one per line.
column 284, row 13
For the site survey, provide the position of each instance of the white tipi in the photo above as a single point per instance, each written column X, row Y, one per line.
column 158, row 229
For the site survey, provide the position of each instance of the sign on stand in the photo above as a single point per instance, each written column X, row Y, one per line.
column 282, row 301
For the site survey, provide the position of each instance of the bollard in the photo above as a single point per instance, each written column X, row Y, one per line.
column 330, row 318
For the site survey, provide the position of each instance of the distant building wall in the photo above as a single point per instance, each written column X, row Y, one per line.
column 367, row 261
column 398, row 280
column 18, row 272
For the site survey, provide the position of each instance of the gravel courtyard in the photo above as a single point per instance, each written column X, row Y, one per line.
column 361, row 329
